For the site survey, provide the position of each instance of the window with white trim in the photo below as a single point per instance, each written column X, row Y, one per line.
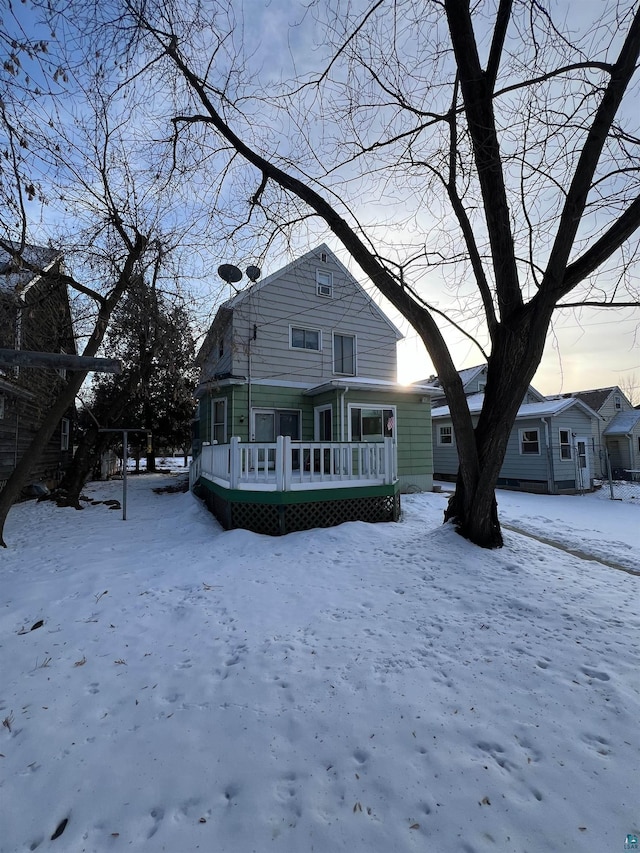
column 565, row 444
column 344, row 354
column 617, row 402
column 65, row 431
column 324, row 283
column 530, row 442
column 219, row 421
column 300, row 338
column 372, row 424
column 445, row 434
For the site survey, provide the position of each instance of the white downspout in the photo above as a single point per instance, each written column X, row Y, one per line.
column 550, row 473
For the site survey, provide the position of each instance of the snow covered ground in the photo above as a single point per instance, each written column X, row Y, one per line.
column 373, row 688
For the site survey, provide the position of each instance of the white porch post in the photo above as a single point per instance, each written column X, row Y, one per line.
column 280, row 463
column 285, row 449
column 234, row 462
column 389, row 454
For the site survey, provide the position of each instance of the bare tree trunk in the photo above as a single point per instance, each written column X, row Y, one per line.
column 84, row 459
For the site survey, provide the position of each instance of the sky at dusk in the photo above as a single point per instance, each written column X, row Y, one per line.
column 281, row 41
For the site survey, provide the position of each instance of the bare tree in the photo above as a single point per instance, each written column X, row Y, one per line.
column 511, row 140
column 630, row 385
column 82, row 172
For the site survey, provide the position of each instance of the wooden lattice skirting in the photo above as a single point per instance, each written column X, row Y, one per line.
column 276, row 513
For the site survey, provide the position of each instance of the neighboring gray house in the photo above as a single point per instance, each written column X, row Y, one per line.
column 550, row 448
column 617, row 431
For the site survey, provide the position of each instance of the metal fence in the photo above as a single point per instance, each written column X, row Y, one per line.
column 622, row 483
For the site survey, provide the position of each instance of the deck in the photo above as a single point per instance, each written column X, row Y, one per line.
column 292, row 485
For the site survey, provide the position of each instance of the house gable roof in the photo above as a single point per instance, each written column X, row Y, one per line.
column 467, row 375
column 240, row 297
column 14, row 277
column 542, row 409
column 595, row 398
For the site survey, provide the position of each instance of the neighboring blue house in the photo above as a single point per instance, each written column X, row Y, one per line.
column 551, row 448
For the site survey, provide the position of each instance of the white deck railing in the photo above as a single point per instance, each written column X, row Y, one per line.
column 286, row 465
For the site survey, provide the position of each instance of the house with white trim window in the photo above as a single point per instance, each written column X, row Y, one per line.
column 551, row 447
column 306, row 355
column 617, row 433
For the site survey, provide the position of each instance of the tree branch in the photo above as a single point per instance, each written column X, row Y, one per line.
column 556, row 282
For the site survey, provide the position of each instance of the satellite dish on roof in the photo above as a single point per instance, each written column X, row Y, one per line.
column 229, row 273
column 253, row 273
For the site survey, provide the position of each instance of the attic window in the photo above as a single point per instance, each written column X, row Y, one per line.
column 324, row 283
column 617, row 402
column 220, row 347
column 323, row 257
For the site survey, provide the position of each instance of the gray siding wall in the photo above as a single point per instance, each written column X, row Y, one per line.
column 292, row 300
column 608, row 409
column 214, row 363
column 519, row 466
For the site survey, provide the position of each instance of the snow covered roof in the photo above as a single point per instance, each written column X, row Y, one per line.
column 466, row 375
column 358, row 384
column 14, row 277
column 543, row 409
column 595, row 398
column 623, row 423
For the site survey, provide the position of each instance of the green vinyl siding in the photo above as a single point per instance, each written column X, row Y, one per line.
column 412, row 430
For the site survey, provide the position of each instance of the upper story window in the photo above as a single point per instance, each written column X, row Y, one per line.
column 61, row 371
column 305, row 338
column 344, row 354
column 220, row 347
column 65, row 431
column 481, row 387
column 324, row 283
column 617, row 402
